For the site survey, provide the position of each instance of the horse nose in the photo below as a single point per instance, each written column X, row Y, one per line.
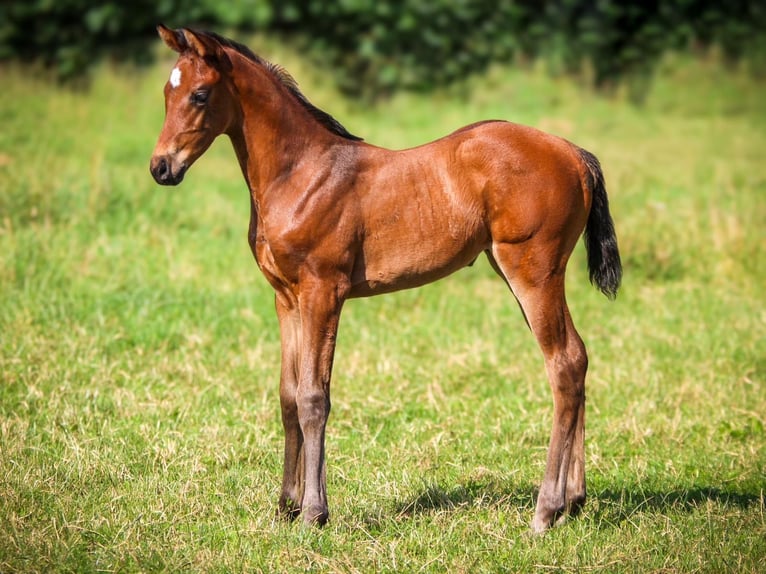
column 160, row 168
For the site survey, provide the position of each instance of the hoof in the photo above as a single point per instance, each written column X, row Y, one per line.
column 316, row 516
column 539, row 526
column 575, row 504
column 544, row 519
column 288, row 509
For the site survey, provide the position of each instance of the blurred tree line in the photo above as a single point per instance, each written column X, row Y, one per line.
column 376, row 47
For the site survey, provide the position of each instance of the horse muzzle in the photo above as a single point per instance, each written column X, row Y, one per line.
column 165, row 173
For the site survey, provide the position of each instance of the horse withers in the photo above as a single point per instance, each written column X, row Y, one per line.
column 332, row 218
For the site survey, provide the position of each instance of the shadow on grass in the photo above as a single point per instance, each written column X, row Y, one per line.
column 434, row 498
column 627, row 502
column 619, row 504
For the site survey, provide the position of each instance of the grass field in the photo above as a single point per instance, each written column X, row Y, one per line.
column 139, row 355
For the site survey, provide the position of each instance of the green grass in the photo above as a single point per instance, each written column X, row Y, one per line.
column 139, row 353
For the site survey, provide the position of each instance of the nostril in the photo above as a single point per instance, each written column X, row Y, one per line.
column 162, row 169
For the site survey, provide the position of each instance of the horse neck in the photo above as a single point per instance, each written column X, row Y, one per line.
column 276, row 131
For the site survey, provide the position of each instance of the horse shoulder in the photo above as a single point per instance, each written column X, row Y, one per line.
column 310, row 221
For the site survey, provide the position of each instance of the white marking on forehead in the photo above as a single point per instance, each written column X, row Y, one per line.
column 175, row 77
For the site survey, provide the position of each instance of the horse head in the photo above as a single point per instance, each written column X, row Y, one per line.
column 198, row 103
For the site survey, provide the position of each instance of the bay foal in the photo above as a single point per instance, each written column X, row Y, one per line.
column 332, row 217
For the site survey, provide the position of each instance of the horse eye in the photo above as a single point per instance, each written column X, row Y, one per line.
column 199, row 98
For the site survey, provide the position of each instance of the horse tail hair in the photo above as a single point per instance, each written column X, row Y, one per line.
column 604, row 264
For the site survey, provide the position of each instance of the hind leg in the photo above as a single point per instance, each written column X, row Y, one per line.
column 539, row 288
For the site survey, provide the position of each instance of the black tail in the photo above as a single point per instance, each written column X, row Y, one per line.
column 604, row 263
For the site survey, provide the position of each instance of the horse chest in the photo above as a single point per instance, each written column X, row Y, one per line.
column 285, row 260
column 276, row 270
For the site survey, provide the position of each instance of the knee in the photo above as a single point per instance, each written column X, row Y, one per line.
column 288, row 403
column 313, row 406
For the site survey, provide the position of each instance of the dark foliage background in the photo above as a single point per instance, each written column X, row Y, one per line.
column 379, row 46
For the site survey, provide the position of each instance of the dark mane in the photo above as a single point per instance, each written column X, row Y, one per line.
column 284, row 77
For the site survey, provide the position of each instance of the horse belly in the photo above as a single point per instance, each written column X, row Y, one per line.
column 424, row 217
column 404, row 261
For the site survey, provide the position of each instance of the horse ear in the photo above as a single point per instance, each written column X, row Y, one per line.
column 206, row 47
column 197, row 44
column 173, row 38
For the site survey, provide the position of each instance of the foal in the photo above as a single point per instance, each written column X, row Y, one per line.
column 332, row 218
